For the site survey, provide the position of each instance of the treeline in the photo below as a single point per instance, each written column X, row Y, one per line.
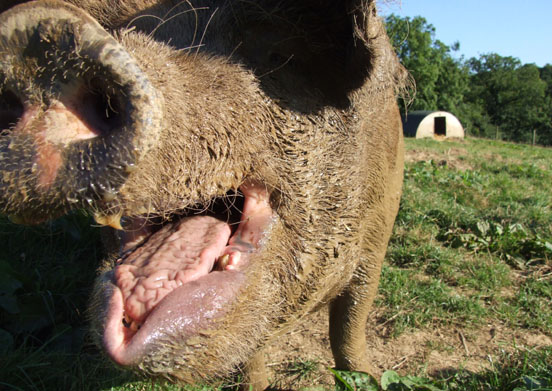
column 493, row 96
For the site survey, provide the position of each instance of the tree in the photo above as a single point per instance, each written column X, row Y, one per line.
column 441, row 80
column 546, row 76
column 511, row 94
column 545, row 135
column 488, row 94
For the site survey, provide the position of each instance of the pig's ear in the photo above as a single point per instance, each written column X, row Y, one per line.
column 323, row 45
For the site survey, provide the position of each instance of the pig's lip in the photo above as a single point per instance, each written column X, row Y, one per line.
column 206, row 299
column 200, row 298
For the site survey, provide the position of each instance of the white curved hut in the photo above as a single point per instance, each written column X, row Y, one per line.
column 435, row 124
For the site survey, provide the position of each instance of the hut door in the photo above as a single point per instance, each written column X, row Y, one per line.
column 440, row 126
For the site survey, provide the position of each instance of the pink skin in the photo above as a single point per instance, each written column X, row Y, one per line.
column 186, row 251
column 172, row 257
column 48, row 157
column 56, row 127
column 171, row 281
column 62, row 125
column 256, row 215
column 185, row 311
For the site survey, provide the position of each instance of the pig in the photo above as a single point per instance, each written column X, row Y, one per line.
column 247, row 158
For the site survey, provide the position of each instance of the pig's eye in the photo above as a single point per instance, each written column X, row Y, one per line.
column 101, row 108
column 11, row 109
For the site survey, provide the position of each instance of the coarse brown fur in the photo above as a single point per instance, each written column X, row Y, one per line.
column 300, row 95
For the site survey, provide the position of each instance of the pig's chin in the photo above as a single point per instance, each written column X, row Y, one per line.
column 178, row 280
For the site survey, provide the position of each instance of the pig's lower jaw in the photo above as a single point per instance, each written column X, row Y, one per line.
column 182, row 277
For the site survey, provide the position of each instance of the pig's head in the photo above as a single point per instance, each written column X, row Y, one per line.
column 235, row 171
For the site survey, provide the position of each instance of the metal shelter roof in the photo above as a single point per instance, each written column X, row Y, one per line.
column 412, row 121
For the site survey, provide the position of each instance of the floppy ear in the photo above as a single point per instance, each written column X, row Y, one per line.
column 325, row 44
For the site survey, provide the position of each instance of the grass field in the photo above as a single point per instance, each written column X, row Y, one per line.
column 465, row 300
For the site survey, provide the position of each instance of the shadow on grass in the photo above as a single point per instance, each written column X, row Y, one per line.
column 529, row 370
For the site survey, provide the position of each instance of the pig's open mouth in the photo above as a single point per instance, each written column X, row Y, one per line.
column 184, row 274
column 78, row 116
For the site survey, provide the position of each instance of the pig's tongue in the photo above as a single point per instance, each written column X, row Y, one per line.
column 170, row 283
column 176, row 254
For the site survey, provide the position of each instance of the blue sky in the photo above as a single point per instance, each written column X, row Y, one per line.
column 521, row 29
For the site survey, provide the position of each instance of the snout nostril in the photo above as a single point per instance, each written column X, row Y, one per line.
column 11, row 110
column 101, row 108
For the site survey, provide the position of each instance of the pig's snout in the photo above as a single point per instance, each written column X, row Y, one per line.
column 83, row 110
column 76, row 112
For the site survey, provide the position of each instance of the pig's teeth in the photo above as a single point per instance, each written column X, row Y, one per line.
column 228, row 261
column 114, row 221
column 134, row 326
column 130, row 324
column 126, row 320
column 234, row 260
column 223, row 261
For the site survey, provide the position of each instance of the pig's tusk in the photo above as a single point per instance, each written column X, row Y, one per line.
column 113, row 221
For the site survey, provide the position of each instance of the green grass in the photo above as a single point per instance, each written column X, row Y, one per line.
column 472, row 245
column 470, row 233
column 525, row 371
column 414, row 303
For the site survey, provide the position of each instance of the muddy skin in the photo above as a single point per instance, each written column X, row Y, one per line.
column 248, row 156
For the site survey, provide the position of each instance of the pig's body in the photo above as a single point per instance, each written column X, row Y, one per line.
column 281, row 111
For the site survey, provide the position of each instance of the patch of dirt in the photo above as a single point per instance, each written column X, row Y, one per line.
column 308, row 342
column 431, row 351
column 453, row 157
column 496, row 157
